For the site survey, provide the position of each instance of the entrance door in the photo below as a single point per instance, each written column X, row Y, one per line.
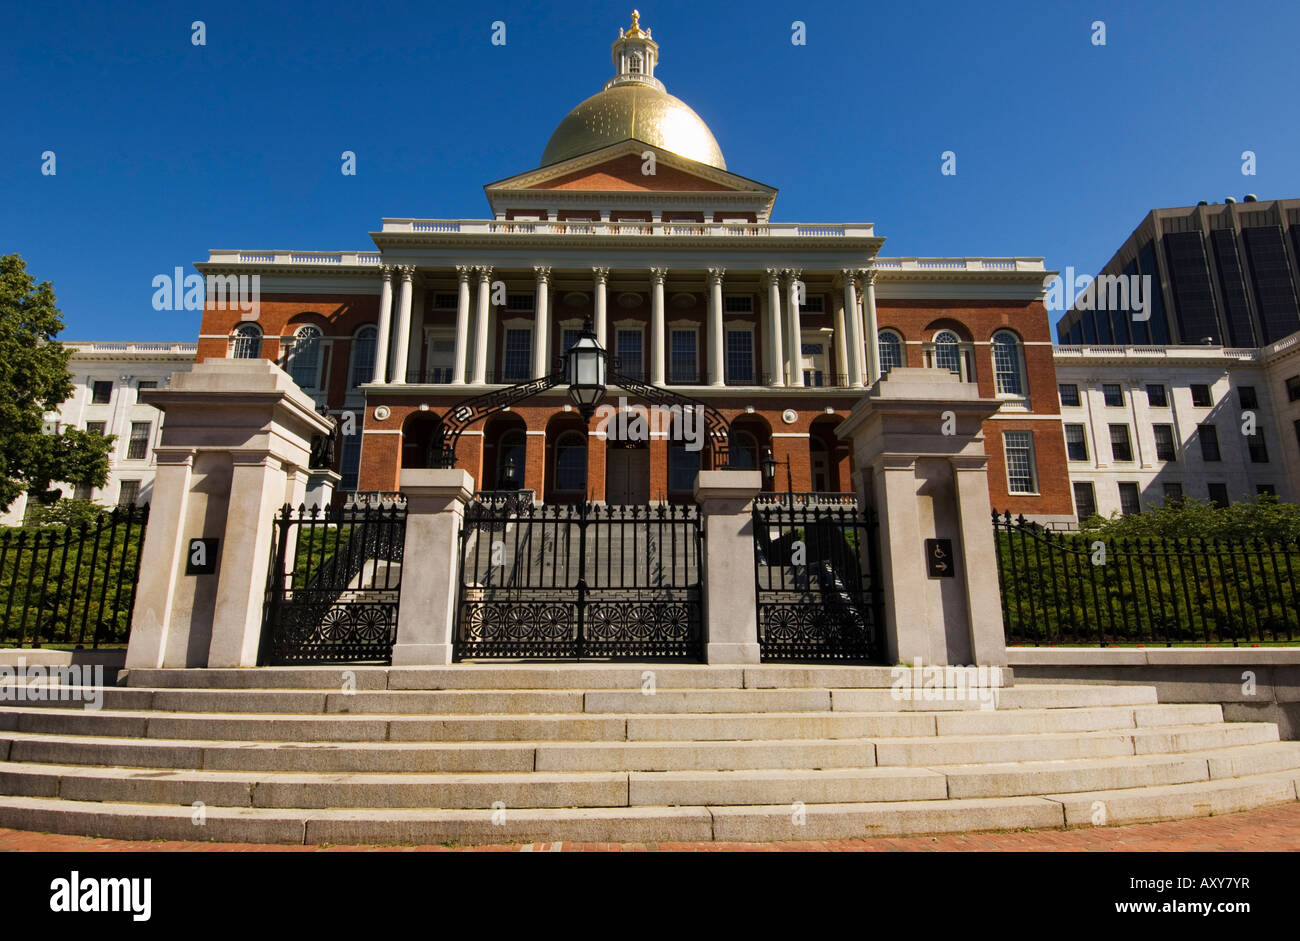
column 627, row 476
column 812, row 360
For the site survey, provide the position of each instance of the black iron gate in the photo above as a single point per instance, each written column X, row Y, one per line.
column 816, row 573
column 334, row 581
column 587, row 581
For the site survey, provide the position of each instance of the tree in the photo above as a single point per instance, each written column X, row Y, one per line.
column 34, row 380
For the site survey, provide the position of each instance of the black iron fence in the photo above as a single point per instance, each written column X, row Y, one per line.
column 71, row 585
column 1072, row 588
column 586, row 581
column 816, row 575
column 334, row 582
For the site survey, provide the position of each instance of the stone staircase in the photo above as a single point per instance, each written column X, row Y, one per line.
column 477, row 753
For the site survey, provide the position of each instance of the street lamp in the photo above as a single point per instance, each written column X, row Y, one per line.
column 584, row 369
column 769, row 471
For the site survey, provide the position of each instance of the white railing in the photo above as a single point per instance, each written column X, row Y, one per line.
column 959, row 264
column 294, row 258
column 648, row 229
column 94, row 346
column 1160, row 352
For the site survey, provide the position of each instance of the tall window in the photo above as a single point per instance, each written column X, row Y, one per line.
column 813, row 356
column 1019, row 448
column 350, row 460
column 1130, row 499
column 1113, row 393
column 571, row 462
column 363, row 357
column 442, row 356
column 890, row 345
column 683, row 466
column 1120, row 447
column 947, row 351
column 1165, row 449
column 740, row 357
column 128, row 493
column 510, row 461
column 629, row 353
column 1069, row 393
column 101, row 392
column 138, row 444
column 1076, row 444
column 1247, row 398
column 1156, row 397
column 684, row 368
column 519, row 350
column 303, row 360
column 1209, row 436
column 246, row 341
column 742, row 451
column 1258, row 450
column 1007, row 370
column 1085, row 500
column 1201, row 396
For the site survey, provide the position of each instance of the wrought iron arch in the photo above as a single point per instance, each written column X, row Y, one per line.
column 469, row 411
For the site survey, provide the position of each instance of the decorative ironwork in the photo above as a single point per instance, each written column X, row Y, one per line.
column 815, row 574
column 848, row 500
column 333, row 586
column 588, row 581
column 474, row 409
column 1078, row 588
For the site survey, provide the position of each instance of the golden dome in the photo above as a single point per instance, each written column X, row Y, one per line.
column 635, row 111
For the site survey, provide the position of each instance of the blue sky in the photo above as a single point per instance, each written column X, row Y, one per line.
column 165, row 150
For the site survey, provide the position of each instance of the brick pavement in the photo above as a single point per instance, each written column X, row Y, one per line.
column 1268, row 829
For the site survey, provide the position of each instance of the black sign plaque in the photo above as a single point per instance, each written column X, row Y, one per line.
column 201, row 557
column 939, row 561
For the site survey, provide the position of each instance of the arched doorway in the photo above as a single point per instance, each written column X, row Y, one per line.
column 566, row 460
column 421, row 440
column 505, row 445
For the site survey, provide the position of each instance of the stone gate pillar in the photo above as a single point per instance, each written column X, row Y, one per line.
column 726, row 499
column 918, row 447
column 234, row 448
column 426, row 614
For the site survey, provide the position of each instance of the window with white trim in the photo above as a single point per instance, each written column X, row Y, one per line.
column 628, row 346
column 137, row 446
column 350, row 460
column 246, row 342
column 685, row 362
column 303, row 359
column 442, row 357
column 1008, row 369
column 740, row 357
column 361, row 369
column 516, row 364
column 1022, row 476
column 891, row 350
column 738, row 304
column 813, row 363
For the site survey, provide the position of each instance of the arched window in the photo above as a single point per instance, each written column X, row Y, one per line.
column 947, row 351
column 1007, row 369
column 891, row 351
column 634, row 65
column 510, row 461
column 742, row 451
column 303, row 358
column 246, row 341
column 571, row 462
column 362, row 368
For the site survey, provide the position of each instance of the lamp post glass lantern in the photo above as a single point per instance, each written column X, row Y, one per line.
column 584, row 369
column 770, row 464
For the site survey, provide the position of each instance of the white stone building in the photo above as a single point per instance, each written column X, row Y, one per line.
column 1144, row 424
column 107, row 378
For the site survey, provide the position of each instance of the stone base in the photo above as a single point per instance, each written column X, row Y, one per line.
column 420, row 655
column 732, row 653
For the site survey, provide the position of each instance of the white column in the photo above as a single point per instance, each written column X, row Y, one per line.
column 542, row 326
column 462, row 324
column 872, row 325
column 853, row 337
column 602, row 282
column 794, row 334
column 385, row 324
column 717, row 364
column 840, row 342
column 403, row 325
column 775, row 356
column 657, row 276
column 481, row 326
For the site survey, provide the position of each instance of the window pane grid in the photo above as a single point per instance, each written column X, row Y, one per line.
column 519, row 348
column 1019, row 448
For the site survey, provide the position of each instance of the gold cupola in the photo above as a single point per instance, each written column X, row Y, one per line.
column 634, row 105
